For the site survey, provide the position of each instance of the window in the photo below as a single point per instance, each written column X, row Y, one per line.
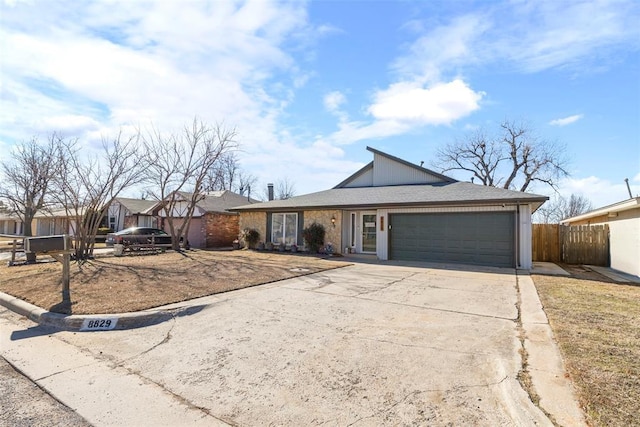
column 284, row 228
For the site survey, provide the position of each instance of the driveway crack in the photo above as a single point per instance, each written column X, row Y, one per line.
column 423, row 346
column 388, row 285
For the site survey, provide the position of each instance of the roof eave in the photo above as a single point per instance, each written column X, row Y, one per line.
column 616, row 207
column 449, row 203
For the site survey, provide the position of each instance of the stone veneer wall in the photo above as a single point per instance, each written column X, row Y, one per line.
column 256, row 220
column 334, row 234
column 220, row 229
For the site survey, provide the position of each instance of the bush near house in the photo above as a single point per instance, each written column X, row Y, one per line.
column 250, row 236
column 314, row 237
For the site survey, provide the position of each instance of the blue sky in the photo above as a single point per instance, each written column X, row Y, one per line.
column 309, row 85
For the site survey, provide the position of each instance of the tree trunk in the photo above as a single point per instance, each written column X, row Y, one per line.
column 28, row 232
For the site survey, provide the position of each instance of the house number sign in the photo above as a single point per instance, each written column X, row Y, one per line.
column 99, row 324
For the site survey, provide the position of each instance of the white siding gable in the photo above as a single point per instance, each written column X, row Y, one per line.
column 363, row 180
column 387, row 171
column 180, row 210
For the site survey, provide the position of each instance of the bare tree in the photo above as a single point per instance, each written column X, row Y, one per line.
column 223, row 173
column 515, row 159
column 4, row 209
column 27, row 178
column 227, row 174
column 284, row 189
column 561, row 208
column 86, row 186
column 245, row 182
column 178, row 166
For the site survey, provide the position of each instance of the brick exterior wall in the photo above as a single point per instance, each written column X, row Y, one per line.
column 256, row 220
column 333, row 234
column 221, row 229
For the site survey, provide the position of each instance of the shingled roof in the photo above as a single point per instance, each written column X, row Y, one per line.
column 454, row 193
column 432, row 188
column 135, row 206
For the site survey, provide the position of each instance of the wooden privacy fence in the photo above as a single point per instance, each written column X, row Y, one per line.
column 576, row 244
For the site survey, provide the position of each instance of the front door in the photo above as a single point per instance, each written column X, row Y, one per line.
column 369, row 233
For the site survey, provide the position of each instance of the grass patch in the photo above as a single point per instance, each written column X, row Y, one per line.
column 597, row 326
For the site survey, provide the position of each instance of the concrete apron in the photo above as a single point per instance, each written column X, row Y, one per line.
column 367, row 344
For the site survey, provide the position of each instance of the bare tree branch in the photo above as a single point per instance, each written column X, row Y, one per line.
column 26, row 180
column 87, row 186
column 285, row 189
column 514, row 160
column 178, row 166
column 560, row 208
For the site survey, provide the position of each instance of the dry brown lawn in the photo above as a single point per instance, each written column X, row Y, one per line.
column 137, row 282
column 597, row 325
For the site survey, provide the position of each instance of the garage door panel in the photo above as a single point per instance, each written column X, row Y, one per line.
column 485, row 238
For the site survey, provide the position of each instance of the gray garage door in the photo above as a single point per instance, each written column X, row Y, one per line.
column 482, row 238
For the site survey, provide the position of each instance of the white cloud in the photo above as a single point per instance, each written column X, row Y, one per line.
column 350, row 132
column 528, row 36
column 439, row 104
column 333, row 101
column 560, row 34
column 566, row 120
column 442, row 48
column 402, row 107
column 90, row 69
column 636, row 178
column 160, row 61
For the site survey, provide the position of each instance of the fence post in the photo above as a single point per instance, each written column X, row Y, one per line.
column 13, row 253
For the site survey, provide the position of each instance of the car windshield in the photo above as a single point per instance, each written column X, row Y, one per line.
column 140, row 231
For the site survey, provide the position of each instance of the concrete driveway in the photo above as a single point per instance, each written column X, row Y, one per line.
column 362, row 345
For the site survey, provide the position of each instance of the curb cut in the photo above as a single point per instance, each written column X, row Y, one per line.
column 75, row 322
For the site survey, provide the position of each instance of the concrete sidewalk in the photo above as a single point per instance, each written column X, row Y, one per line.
column 101, row 392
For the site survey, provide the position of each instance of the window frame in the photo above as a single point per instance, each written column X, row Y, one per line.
column 282, row 232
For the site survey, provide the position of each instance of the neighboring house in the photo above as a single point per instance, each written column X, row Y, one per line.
column 124, row 213
column 49, row 223
column 11, row 225
column 212, row 225
column 623, row 219
column 397, row 210
column 45, row 223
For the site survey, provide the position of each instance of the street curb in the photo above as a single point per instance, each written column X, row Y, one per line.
column 546, row 365
column 75, row 322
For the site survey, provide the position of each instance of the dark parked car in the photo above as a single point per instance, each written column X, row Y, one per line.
column 139, row 236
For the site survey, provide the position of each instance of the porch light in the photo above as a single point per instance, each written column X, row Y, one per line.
column 333, row 221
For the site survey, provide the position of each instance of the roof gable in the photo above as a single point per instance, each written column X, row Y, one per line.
column 135, row 206
column 386, row 170
column 218, row 201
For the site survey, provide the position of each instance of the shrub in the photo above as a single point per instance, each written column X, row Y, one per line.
column 314, row 237
column 251, row 236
